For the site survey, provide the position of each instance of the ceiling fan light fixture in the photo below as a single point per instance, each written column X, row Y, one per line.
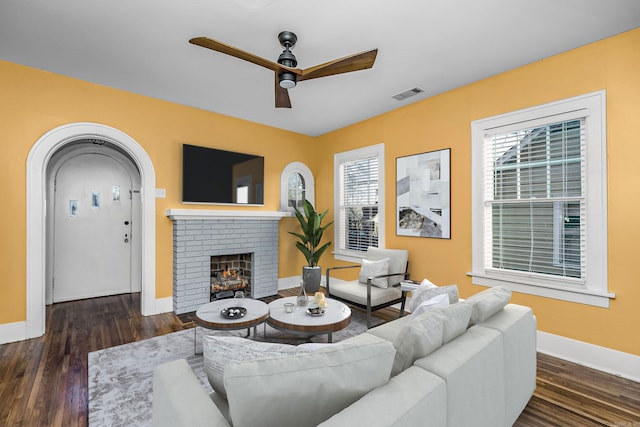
column 287, row 80
column 286, row 74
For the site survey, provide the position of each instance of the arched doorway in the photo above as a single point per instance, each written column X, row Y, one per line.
column 37, row 163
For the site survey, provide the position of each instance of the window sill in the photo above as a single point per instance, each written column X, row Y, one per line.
column 581, row 296
column 354, row 257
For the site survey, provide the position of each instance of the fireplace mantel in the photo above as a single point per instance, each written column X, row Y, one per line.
column 186, row 214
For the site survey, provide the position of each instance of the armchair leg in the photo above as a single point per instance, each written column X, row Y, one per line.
column 369, row 317
column 404, row 300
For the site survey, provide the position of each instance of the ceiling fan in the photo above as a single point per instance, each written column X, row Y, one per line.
column 286, row 75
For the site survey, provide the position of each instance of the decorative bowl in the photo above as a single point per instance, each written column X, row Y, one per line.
column 315, row 311
column 233, row 312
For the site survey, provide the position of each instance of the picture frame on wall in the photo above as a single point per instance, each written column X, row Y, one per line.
column 423, row 192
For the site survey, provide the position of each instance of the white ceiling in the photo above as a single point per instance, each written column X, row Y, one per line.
column 141, row 46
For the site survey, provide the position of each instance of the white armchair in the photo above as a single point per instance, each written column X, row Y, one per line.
column 381, row 289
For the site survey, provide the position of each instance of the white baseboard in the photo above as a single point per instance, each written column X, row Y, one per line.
column 614, row 362
column 289, row 282
column 294, row 282
column 12, row 332
column 164, row 305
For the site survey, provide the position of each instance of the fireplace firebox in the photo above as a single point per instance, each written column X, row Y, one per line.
column 230, row 273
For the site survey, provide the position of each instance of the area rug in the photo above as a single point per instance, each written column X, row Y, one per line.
column 121, row 378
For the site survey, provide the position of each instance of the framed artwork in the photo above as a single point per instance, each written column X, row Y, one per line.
column 95, row 200
column 423, row 195
column 73, row 208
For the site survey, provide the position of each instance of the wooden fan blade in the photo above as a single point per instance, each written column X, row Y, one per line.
column 359, row 61
column 282, row 96
column 240, row 54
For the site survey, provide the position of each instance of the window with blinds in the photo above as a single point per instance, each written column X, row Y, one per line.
column 539, row 200
column 358, row 199
column 534, row 197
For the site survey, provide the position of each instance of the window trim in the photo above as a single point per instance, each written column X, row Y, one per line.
column 595, row 289
column 305, row 172
column 376, row 150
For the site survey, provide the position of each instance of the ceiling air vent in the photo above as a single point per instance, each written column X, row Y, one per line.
column 407, row 94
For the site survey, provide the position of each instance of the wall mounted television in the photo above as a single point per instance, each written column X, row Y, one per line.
column 217, row 176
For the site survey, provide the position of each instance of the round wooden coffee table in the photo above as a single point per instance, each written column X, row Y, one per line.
column 336, row 317
column 208, row 316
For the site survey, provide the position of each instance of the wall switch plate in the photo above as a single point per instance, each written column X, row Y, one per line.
column 161, row 193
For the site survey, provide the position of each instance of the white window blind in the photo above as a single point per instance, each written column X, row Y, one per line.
column 535, row 200
column 358, row 198
column 539, row 200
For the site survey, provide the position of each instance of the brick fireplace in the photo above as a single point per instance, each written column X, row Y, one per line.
column 199, row 235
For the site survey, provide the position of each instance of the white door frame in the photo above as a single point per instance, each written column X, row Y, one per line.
column 37, row 163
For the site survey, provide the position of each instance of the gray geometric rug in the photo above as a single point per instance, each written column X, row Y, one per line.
column 121, row 378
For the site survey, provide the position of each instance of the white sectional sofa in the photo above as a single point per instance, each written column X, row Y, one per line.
column 470, row 364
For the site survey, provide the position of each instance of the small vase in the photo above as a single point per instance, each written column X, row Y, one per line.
column 302, row 296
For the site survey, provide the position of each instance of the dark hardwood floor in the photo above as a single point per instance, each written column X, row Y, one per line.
column 43, row 381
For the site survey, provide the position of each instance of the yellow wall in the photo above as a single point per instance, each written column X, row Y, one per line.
column 444, row 122
column 33, row 102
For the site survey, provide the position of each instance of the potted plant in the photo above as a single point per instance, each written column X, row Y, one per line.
column 309, row 243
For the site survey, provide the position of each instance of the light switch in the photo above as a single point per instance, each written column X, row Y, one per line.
column 161, row 193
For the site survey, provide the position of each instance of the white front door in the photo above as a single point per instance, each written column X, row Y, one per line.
column 92, row 228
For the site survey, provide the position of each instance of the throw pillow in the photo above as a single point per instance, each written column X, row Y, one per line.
column 418, row 338
column 426, row 292
column 455, row 320
column 317, row 384
column 428, row 283
column 439, row 301
column 221, row 351
column 488, row 302
column 397, row 262
column 372, row 269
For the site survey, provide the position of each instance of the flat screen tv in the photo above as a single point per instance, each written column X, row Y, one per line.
column 217, row 176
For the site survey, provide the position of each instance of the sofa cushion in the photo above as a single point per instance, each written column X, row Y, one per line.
column 455, row 320
column 517, row 325
column 357, row 292
column 425, row 292
column 317, row 384
column 487, row 303
column 372, row 269
column 439, row 301
column 221, row 351
column 414, row 397
column 472, row 366
column 179, row 398
column 417, row 338
column 390, row 330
